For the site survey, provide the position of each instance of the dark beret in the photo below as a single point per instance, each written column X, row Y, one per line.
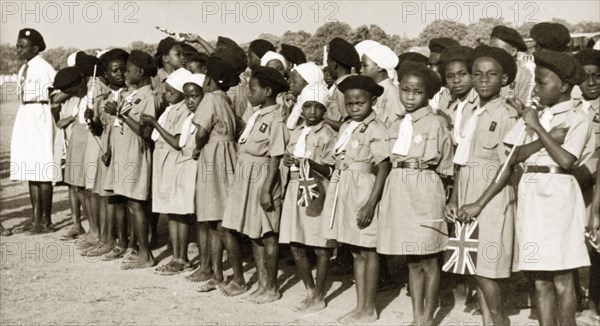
column 510, row 36
column 411, row 56
column 437, row 45
column 588, row 57
column 187, row 48
column 221, row 72
column 197, row 56
column 506, row 61
column 453, row 53
column 270, row 77
column 143, row 60
column 34, row 36
column 114, row 54
column 67, row 78
column 552, row 36
column 430, row 78
column 164, row 46
column 567, row 68
column 260, row 47
column 86, row 63
column 361, row 82
column 293, row 54
column 344, row 53
column 231, row 52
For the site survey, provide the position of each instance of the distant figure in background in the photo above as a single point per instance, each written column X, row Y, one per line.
column 32, row 144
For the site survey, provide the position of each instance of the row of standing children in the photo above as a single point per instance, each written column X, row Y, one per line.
column 384, row 196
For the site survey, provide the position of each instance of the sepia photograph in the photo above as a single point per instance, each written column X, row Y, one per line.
column 308, row 162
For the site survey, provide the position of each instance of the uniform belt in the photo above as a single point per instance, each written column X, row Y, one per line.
column 35, row 102
column 354, row 166
column 545, row 169
column 164, row 145
column 412, row 165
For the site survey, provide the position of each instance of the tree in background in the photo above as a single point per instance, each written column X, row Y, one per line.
column 313, row 48
column 443, row 28
column 480, row 30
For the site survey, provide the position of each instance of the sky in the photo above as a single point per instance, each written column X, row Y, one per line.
column 93, row 24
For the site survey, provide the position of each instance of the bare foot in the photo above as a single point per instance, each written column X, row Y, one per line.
column 310, row 305
column 361, row 317
column 199, row 275
column 138, row 262
column 232, row 289
column 209, row 285
column 343, row 318
column 265, row 297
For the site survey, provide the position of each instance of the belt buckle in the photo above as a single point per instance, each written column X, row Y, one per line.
column 419, row 166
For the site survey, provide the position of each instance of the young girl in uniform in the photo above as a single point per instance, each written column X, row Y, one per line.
column 217, row 154
column 362, row 165
column 70, row 82
column 481, row 150
column 310, row 148
column 411, row 208
column 379, row 63
column 550, row 222
column 112, row 66
column 172, row 176
column 254, row 203
column 131, row 159
column 455, row 76
column 301, row 77
column 276, row 61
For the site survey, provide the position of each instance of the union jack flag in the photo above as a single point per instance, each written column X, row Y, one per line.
column 460, row 256
column 308, row 187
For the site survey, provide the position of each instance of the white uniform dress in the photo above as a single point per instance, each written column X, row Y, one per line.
column 32, row 144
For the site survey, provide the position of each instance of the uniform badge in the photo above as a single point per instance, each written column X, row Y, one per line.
column 418, row 139
column 363, row 129
column 354, row 144
column 27, row 33
column 597, row 118
column 137, row 101
column 493, row 126
column 263, row 127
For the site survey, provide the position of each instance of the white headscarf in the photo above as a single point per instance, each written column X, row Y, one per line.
column 385, row 58
column 197, row 79
column 270, row 55
column 317, row 92
column 178, row 77
column 310, row 72
column 363, row 46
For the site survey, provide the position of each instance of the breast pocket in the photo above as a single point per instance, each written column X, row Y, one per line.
column 314, row 149
column 486, row 146
column 359, row 150
column 419, row 144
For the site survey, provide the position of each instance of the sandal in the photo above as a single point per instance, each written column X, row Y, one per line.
column 116, row 253
column 172, row 268
column 5, row 232
column 131, row 256
column 208, row 286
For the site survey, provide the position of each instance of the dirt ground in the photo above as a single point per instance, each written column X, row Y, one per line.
column 45, row 281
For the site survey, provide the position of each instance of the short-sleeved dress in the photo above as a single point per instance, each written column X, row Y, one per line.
column 412, row 198
column 449, row 110
column 388, row 106
column 486, row 156
column 169, row 177
column 76, row 146
column 216, row 164
column 296, row 225
column 336, row 105
column 92, row 148
column 243, row 212
column 589, row 162
column 352, row 183
column 519, row 88
column 103, row 182
column 551, row 217
column 131, row 161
